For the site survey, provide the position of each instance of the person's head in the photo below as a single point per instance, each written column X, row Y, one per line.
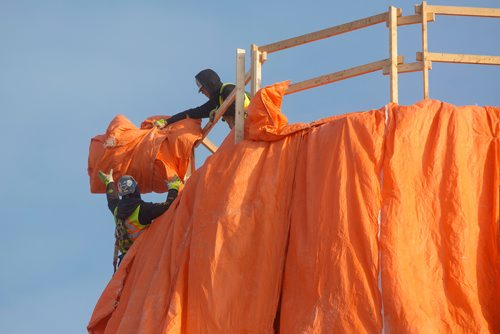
column 127, row 186
column 208, row 82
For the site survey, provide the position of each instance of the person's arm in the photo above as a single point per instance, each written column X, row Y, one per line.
column 202, row 111
column 111, row 193
column 112, row 196
column 150, row 211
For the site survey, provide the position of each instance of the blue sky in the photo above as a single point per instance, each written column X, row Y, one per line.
column 68, row 67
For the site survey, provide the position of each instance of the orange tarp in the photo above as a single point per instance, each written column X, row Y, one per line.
column 330, row 281
column 148, row 154
column 440, row 269
column 281, row 232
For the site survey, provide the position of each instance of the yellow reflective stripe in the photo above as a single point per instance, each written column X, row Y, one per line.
column 220, row 92
column 247, row 101
column 245, row 104
column 134, row 227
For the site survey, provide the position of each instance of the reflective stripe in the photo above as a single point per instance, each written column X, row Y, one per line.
column 246, row 103
column 134, row 228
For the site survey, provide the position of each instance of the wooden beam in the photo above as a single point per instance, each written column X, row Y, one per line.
column 325, row 33
column 239, row 127
column 222, row 109
column 392, row 20
column 460, row 58
column 263, row 57
column 425, row 71
column 463, row 11
column 406, row 68
column 209, row 145
column 339, row 76
column 256, row 69
column 415, row 19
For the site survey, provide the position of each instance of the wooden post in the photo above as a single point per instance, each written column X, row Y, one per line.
column 256, row 70
column 239, row 126
column 393, row 51
column 425, row 68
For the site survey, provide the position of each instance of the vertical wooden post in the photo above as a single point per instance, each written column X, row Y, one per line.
column 425, row 68
column 239, row 126
column 256, row 70
column 393, row 51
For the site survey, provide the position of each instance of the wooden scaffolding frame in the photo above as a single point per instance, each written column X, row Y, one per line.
column 391, row 66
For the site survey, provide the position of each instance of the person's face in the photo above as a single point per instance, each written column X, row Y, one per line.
column 205, row 92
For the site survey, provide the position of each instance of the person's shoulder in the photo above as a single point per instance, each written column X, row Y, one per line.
column 228, row 88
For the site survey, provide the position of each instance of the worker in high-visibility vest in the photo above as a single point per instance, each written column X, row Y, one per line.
column 132, row 215
column 209, row 83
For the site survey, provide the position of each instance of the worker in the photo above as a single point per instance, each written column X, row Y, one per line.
column 132, row 215
column 209, row 83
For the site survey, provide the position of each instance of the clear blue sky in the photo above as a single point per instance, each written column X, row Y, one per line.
column 68, row 67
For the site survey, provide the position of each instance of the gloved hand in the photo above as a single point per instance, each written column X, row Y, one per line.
column 160, row 123
column 106, row 178
column 174, row 183
column 211, row 115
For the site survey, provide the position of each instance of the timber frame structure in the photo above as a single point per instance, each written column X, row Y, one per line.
column 391, row 66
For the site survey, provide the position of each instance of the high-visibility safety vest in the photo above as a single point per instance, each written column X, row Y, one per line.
column 128, row 230
column 246, row 103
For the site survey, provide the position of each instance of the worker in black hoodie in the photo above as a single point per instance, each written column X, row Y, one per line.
column 209, row 83
column 132, row 215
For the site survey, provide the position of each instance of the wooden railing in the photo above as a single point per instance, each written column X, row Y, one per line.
column 391, row 66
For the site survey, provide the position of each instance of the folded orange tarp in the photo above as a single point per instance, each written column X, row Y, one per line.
column 439, row 232
column 281, row 231
column 148, row 154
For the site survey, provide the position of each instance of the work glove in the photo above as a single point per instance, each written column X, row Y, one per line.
column 211, row 115
column 106, row 178
column 160, row 123
column 174, row 183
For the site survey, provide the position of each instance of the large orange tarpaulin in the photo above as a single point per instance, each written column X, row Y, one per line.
column 439, row 232
column 148, row 154
column 282, row 231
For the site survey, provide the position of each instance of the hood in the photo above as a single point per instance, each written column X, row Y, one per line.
column 128, row 204
column 210, row 80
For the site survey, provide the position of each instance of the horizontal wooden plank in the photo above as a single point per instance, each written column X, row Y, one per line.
column 464, row 11
column 339, row 76
column 407, row 68
column 414, row 19
column 325, row 33
column 460, row 58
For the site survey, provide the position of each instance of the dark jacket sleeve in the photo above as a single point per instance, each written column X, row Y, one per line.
column 202, row 111
column 112, row 197
column 150, row 211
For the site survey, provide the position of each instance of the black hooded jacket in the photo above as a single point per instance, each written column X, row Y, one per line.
column 128, row 204
column 211, row 81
